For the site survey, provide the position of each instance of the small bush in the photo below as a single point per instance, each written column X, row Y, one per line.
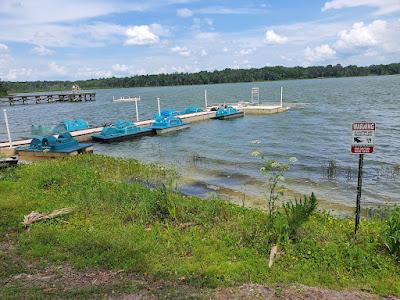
column 298, row 212
column 392, row 233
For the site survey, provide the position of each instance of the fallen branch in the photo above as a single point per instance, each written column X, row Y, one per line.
column 36, row 216
column 274, row 251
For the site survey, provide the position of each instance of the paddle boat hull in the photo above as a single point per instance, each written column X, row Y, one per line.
column 121, row 131
column 160, row 131
column 228, row 112
column 239, row 114
column 122, row 137
column 167, row 122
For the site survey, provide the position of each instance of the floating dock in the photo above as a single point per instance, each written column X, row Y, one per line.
column 52, row 97
column 85, row 135
column 261, row 109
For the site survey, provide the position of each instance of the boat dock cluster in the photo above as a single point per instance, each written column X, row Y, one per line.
column 66, row 138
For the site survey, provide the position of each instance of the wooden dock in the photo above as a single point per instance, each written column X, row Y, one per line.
column 52, row 97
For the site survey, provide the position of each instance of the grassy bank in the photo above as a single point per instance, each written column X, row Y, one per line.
column 120, row 223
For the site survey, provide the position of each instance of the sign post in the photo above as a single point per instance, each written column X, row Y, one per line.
column 362, row 143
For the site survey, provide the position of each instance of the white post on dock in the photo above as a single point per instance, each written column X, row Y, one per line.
column 7, row 127
column 137, row 111
column 281, row 96
column 205, row 99
column 159, row 108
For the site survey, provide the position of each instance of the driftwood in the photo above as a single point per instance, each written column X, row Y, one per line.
column 272, row 254
column 36, row 216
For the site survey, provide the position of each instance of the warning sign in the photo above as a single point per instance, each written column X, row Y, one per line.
column 363, row 137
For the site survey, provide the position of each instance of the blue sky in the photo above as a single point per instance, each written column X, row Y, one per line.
column 75, row 39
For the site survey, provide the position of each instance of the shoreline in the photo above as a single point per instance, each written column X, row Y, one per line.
column 118, row 223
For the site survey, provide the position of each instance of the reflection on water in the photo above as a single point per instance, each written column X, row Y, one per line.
column 217, row 153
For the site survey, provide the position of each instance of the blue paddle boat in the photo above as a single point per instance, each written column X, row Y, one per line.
column 190, row 110
column 167, row 122
column 78, row 124
column 225, row 113
column 120, row 131
column 51, row 146
column 66, row 125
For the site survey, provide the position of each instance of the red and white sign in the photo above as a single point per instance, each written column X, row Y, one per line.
column 363, row 137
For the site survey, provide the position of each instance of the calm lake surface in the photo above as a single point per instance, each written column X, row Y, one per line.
column 216, row 155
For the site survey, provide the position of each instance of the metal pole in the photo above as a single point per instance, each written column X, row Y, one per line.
column 281, row 96
column 159, row 108
column 358, row 203
column 205, row 98
column 7, row 127
column 137, row 111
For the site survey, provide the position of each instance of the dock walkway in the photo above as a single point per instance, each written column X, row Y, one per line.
column 52, row 97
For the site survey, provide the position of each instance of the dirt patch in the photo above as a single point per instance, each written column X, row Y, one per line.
column 69, row 277
column 65, row 281
column 253, row 291
column 112, row 285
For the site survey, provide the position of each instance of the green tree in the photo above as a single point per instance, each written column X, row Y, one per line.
column 3, row 89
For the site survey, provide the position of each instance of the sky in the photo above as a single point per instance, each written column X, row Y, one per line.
column 75, row 39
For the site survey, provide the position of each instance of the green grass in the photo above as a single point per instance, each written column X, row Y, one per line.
column 119, row 223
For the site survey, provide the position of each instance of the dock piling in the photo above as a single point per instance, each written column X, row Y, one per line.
column 7, row 127
column 137, row 111
column 158, row 104
column 205, row 99
column 281, row 96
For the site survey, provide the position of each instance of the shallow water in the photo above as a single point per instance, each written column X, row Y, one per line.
column 218, row 153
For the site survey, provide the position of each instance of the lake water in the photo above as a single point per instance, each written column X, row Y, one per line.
column 215, row 156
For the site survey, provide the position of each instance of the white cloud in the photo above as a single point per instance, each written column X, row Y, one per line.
column 382, row 6
column 206, row 35
column 222, row 10
column 184, row 13
column 5, row 56
column 42, row 51
column 203, row 52
column 273, row 38
column 50, row 11
column 203, row 24
column 319, row 54
column 141, row 35
column 57, row 69
column 225, row 50
column 361, row 35
column 159, row 29
column 120, row 68
column 18, row 74
column 246, row 51
column 182, row 51
column 89, row 72
column 3, row 48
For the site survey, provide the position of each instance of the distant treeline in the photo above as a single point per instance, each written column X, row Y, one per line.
column 3, row 89
column 205, row 77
